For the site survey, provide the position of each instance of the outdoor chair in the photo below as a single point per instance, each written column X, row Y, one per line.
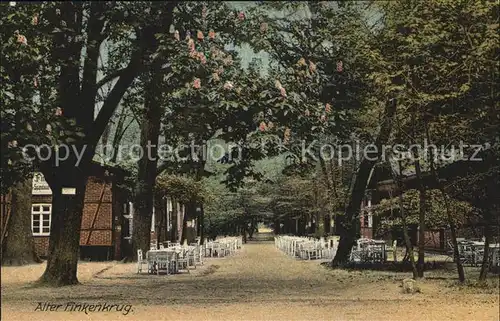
column 216, row 248
column 140, row 261
column 191, row 256
column 162, row 262
column 495, row 257
column 183, row 261
column 172, row 261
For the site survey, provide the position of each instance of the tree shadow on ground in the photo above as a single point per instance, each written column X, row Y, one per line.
column 392, row 266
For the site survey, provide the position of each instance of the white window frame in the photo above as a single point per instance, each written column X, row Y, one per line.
column 39, row 214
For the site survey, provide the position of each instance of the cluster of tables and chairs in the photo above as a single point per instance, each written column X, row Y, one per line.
column 222, row 247
column 171, row 257
column 369, row 251
column 472, row 252
column 306, row 248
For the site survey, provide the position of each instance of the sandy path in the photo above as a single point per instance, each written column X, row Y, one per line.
column 258, row 283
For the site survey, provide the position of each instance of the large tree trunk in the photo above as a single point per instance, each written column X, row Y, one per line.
column 190, row 209
column 18, row 245
column 202, row 224
column 244, row 232
column 456, row 253
column 409, row 245
column 348, row 224
column 435, row 177
column 64, row 243
column 489, row 217
column 252, row 228
column 144, row 189
column 77, row 99
column 277, row 227
column 486, row 255
column 421, row 220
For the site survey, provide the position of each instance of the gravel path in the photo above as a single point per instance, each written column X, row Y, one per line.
column 257, row 283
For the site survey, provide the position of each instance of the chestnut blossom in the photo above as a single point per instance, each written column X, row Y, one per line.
column 12, row 143
column 270, row 125
column 306, row 112
column 228, row 85
column 301, row 62
column 340, row 66
column 283, row 92
column 262, row 126
column 277, row 84
column 48, row 128
column 197, row 83
column 228, row 61
column 34, row 20
column 35, row 82
column 191, row 44
column 177, row 36
column 28, row 127
column 286, row 136
column 263, row 27
column 22, row 39
column 188, row 35
column 59, row 111
column 199, row 35
column 58, row 11
column 204, row 12
column 193, row 54
column 241, row 16
column 312, row 67
column 211, row 35
column 215, row 76
column 328, row 108
column 322, row 118
column 202, row 58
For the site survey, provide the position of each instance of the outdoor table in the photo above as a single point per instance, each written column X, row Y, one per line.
column 472, row 252
column 494, row 254
column 369, row 250
column 151, row 255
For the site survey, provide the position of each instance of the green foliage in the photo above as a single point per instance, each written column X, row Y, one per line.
column 441, row 58
column 30, row 112
column 227, row 210
column 436, row 217
column 181, row 188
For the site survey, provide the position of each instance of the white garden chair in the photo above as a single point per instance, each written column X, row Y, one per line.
column 183, row 261
column 162, row 262
column 140, row 261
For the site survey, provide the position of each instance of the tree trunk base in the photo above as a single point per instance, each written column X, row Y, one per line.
column 20, row 261
column 51, row 279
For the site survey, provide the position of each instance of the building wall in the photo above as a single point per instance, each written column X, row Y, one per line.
column 101, row 221
column 97, row 220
